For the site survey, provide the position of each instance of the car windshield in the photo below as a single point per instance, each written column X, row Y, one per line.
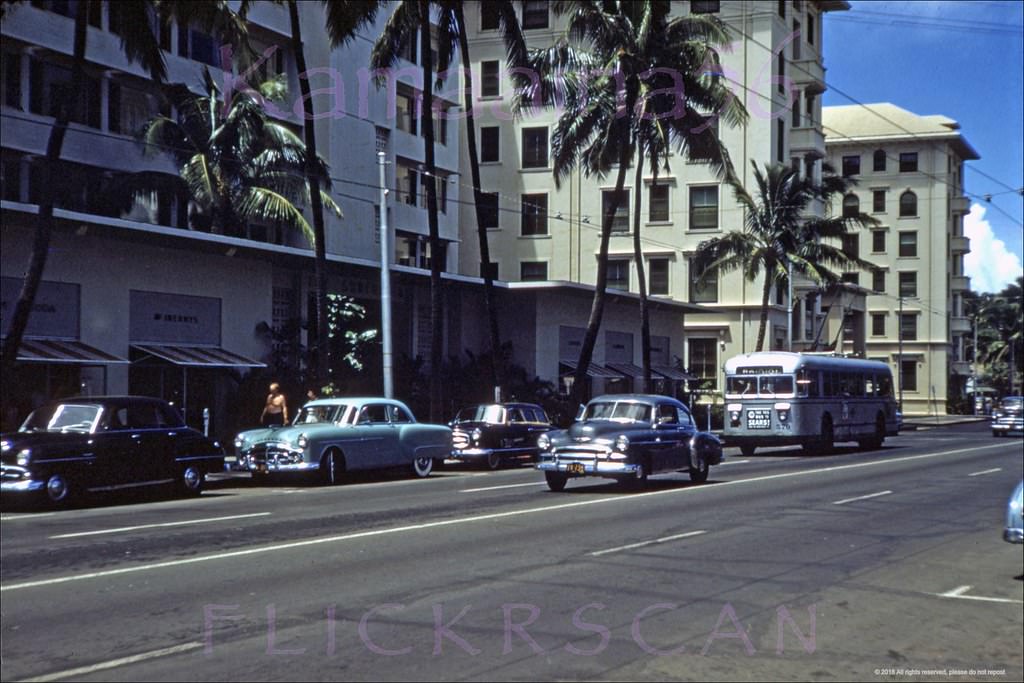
column 1013, row 404
column 311, row 414
column 491, row 414
column 63, row 417
column 618, row 411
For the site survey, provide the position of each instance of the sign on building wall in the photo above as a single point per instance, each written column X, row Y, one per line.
column 174, row 318
column 55, row 313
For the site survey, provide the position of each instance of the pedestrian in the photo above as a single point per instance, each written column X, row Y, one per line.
column 311, row 394
column 275, row 412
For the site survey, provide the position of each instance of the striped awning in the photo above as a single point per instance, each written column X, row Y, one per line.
column 197, row 356
column 593, row 370
column 64, row 351
column 669, row 372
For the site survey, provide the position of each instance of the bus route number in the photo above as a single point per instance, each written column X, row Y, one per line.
column 759, row 419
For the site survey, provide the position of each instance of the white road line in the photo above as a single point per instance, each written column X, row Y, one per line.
column 506, row 486
column 162, row 524
column 631, row 546
column 870, row 495
column 629, row 500
column 114, row 663
column 958, row 593
column 978, row 474
column 15, row 518
column 734, row 462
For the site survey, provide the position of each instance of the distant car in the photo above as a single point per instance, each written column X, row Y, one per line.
column 1014, row 531
column 105, row 443
column 1008, row 416
column 628, row 437
column 337, row 435
column 495, row 433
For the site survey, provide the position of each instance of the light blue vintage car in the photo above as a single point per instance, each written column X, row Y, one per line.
column 337, row 435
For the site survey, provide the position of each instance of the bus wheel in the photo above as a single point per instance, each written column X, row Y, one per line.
column 876, row 441
column 747, row 451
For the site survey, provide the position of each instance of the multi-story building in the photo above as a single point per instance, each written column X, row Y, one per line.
column 542, row 233
column 910, row 173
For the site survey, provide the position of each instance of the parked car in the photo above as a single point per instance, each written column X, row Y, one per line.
column 105, row 443
column 1008, row 416
column 333, row 436
column 494, row 433
column 628, row 437
column 1014, row 530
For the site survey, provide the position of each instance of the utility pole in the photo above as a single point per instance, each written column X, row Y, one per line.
column 385, row 283
column 974, row 365
column 899, row 352
column 789, row 326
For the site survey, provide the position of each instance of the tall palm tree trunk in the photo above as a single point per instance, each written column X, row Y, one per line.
column 597, row 306
column 481, row 230
column 51, row 178
column 765, row 295
column 638, row 255
column 436, row 249
column 316, row 203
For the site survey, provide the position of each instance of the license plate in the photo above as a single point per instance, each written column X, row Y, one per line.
column 759, row 419
column 261, row 468
column 575, row 468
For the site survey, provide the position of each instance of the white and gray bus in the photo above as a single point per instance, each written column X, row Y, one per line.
column 779, row 398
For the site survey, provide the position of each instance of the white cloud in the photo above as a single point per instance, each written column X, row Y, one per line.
column 990, row 265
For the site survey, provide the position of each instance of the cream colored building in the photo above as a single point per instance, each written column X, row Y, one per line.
column 910, row 173
column 775, row 69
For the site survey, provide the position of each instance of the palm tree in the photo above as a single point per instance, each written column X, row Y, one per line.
column 777, row 239
column 238, row 165
column 140, row 45
column 453, row 36
column 631, row 81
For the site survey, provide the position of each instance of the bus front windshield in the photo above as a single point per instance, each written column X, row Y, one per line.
column 749, row 386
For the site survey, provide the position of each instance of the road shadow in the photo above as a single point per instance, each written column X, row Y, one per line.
column 799, row 452
column 609, row 487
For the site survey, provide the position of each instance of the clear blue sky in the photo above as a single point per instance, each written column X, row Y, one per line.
column 964, row 60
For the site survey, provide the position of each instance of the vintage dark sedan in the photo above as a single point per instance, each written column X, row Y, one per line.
column 332, row 436
column 1008, row 416
column 495, row 433
column 105, row 443
column 628, row 437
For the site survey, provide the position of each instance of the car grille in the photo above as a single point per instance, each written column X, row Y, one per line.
column 460, row 439
column 268, row 453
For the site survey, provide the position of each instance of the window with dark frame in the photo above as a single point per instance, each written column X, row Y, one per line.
column 851, row 245
column 851, row 165
column 490, row 144
column 878, row 201
column 851, row 278
column 878, row 241
column 490, row 82
column 704, row 208
column 489, row 209
column 657, row 204
column 908, row 375
column 534, row 214
column 620, row 221
column 489, row 16
column 878, row 281
column 908, row 204
column 705, row 6
column 535, row 147
column 618, row 274
column 908, row 244
column 658, row 276
column 908, row 162
column 851, row 206
column 908, row 326
column 908, row 285
column 702, row 292
column 878, row 324
column 703, row 361
column 879, row 158
column 533, row 271
column 535, row 14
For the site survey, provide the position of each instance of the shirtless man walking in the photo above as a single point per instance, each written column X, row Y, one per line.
column 275, row 412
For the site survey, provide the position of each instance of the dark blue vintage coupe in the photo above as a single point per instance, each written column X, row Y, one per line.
column 628, row 437
column 105, row 443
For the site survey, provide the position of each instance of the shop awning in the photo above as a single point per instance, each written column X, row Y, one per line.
column 669, row 372
column 63, row 351
column 197, row 356
column 627, row 369
column 593, row 370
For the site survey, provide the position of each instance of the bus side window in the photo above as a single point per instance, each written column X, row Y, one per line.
column 869, row 385
column 807, row 384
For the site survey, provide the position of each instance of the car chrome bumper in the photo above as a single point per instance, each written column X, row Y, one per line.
column 470, row 453
column 592, row 466
column 1013, row 535
column 272, row 467
column 1007, row 427
column 21, row 486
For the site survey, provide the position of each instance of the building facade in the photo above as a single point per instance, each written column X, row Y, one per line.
column 542, row 233
column 910, row 173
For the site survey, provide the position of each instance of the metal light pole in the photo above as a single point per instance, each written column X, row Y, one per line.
column 789, row 325
column 974, row 366
column 385, row 284
column 899, row 352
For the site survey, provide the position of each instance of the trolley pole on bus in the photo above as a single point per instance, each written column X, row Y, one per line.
column 385, row 283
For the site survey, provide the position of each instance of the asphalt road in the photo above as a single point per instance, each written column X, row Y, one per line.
column 884, row 565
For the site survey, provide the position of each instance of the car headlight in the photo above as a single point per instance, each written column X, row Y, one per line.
column 24, row 455
column 5, row 445
column 544, row 442
column 302, row 441
column 476, row 435
column 622, row 443
column 783, row 410
column 239, row 441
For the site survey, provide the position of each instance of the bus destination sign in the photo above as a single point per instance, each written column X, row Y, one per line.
column 760, row 370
